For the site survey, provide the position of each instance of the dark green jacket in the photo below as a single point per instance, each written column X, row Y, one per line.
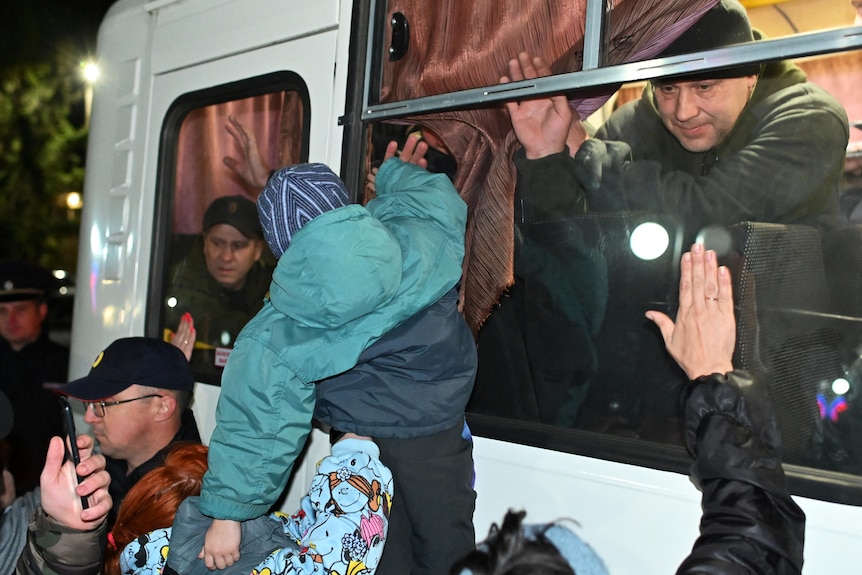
column 782, row 163
column 219, row 314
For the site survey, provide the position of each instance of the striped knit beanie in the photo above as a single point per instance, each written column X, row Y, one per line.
column 293, row 197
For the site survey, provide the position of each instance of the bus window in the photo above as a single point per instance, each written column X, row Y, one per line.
column 216, row 265
column 556, row 297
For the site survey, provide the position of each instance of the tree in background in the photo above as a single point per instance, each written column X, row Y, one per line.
column 43, row 143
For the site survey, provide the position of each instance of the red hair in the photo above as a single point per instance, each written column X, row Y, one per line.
column 154, row 500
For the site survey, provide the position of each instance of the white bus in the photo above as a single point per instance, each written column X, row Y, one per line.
column 328, row 80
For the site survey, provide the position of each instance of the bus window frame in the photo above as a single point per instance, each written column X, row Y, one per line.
column 785, row 48
column 163, row 215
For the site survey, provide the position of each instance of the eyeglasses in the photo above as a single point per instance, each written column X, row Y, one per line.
column 99, row 406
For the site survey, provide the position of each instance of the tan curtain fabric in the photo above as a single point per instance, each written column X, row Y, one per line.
column 201, row 176
column 473, row 50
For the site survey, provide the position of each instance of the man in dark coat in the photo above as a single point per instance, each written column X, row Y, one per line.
column 30, row 365
column 137, row 397
column 744, row 143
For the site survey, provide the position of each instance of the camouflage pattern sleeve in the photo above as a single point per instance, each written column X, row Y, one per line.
column 53, row 549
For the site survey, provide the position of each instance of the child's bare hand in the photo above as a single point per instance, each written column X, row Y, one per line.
column 221, row 544
column 413, row 152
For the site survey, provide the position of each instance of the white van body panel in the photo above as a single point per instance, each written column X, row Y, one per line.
column 190, row 32
column 640, row 520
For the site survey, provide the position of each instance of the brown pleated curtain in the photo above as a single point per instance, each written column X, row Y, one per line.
column 473, row 50
column 275, row 119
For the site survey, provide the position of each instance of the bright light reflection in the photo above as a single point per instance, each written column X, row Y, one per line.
column 840, row 386
column 60, row 274
column 74, row 201
column 716, row 238
column 109, row 316
column 225, row 338
column 172, row 302
column 649, row 241
column 90, row 71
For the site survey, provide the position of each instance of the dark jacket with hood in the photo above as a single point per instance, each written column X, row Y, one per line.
column 782, row 162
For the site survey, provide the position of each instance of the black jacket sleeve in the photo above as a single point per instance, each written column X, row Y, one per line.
column 749, row 523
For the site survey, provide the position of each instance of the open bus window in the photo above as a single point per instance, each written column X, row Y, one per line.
column 567, row 359
column 217, row 266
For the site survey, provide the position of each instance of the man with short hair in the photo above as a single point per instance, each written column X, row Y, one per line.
column 29, row 364
column 222, row 281
column 748, row 142
column 137, row 398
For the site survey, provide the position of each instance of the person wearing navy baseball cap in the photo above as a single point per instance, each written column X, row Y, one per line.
column 137, row 399
column 30, row 365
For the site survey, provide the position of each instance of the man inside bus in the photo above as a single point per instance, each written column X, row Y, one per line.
column 747, row 142
column 220, row 284
column 137, row 397
column 29, row 363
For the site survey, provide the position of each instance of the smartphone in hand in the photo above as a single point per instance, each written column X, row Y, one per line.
column 71, row 441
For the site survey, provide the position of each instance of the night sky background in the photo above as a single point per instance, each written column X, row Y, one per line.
column 43, row 129
column 32, row 30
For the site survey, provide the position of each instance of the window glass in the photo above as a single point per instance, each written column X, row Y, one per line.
column 561, row 266
column 217, row 265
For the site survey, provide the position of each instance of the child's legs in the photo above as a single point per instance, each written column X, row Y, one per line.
column 431, row 525
column 346, row 509
column 260, row 537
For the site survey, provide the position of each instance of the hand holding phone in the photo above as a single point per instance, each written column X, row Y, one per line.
column 71, row 442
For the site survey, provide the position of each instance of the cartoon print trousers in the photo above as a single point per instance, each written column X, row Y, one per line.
column 341, row 526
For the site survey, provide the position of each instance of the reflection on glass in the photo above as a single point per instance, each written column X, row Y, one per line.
column 649, row 241
column 566, row 347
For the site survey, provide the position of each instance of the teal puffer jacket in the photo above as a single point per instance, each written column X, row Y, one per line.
column 348, row 277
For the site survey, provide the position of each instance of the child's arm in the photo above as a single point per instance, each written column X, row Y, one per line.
column 221, row 544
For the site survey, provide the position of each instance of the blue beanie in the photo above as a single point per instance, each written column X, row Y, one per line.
column 583, row 559
column 576, row 552
column 293, row 197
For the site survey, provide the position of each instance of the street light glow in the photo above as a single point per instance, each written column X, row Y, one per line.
column 74, row 201
column 90, row 71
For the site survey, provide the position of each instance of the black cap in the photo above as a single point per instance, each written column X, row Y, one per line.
column 725, row 24
column 23, row 280
column 237, row 211
column 7, row 417
column 133, row 360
